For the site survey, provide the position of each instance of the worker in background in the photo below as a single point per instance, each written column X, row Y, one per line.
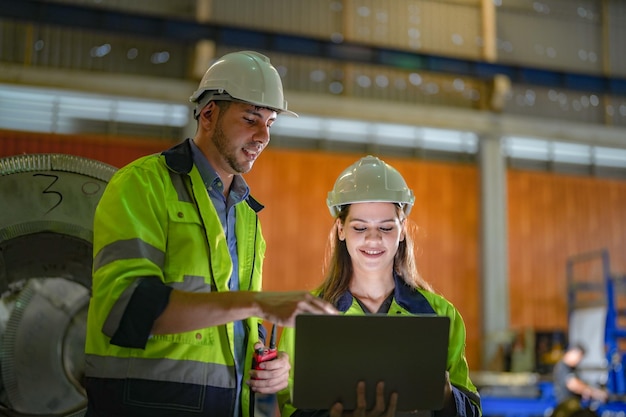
column 176, row 309
column 567, row 383
column 371, row 270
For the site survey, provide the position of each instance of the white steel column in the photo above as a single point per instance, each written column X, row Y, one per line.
column 494, row 246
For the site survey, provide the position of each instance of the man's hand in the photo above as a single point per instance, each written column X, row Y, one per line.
column 283, row 307
column 597, row 394
column 272, row 376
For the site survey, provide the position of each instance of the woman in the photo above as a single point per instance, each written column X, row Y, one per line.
column 371, row 270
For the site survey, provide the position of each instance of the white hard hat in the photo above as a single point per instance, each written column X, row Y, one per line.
column 369, row 180
column 246, row 76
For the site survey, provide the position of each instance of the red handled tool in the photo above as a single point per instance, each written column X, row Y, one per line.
column 265, row 354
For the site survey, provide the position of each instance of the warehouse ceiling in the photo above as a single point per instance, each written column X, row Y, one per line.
column 175, row 29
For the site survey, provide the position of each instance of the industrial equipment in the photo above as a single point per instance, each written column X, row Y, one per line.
column 46, row 233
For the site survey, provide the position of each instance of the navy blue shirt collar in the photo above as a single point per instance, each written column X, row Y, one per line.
column 404, row 295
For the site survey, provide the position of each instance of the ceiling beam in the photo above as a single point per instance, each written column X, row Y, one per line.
column 323, row 105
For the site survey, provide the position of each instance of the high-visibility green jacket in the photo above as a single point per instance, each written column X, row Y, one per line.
column 155, row 229
column 406, row 301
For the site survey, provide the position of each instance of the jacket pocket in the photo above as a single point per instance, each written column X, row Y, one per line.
column 187, row 249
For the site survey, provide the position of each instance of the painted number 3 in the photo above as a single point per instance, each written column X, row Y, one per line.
column 47, row 190
column 88, row 188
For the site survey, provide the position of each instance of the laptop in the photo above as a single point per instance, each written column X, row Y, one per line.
column 334, row 352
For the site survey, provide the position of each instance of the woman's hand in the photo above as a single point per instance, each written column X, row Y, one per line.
column 449, row 406
column 361, row 404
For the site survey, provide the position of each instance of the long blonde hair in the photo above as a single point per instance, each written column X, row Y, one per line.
column 338, row 264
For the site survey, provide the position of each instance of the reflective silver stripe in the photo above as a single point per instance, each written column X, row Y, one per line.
column 179, row 186
column 128, row 249
column 112, row 322
column 193, row 283
column 191, row 372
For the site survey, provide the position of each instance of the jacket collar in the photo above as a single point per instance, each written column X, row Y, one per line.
column 405, row 296
column 179, row 158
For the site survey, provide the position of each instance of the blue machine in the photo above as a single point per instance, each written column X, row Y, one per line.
column 541, row 404
column 586, row 287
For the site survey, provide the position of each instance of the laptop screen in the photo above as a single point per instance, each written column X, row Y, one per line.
column 334, row 352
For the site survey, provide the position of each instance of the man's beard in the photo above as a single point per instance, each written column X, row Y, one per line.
column 228, row 153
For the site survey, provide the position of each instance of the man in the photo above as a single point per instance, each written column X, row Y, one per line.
column 568, row 385
column 178, row 252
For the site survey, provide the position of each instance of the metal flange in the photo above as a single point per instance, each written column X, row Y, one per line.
column 47, row 205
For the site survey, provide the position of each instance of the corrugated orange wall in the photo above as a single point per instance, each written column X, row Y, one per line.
column 550, row 217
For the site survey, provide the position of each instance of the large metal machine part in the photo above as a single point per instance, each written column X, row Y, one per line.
column 47, row 203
